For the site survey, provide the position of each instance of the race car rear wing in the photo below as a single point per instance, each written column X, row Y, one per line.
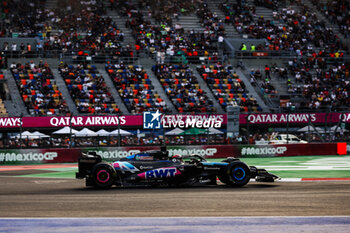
column 86, row 163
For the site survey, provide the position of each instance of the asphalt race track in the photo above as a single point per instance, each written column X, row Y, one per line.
column 44, row 197
column 58, row 204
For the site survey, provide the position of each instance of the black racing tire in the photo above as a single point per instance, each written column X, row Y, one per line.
column 223, row 177
column 103, row 175
column 89, row 182
column 237, row 174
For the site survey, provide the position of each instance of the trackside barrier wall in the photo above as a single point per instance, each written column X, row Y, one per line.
column 24, row 156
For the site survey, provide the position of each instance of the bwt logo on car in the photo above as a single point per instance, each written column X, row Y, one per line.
column 152, row 120
column 263, row 150
column 161, row 173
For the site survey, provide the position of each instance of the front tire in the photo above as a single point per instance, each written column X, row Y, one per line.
column 237, row 174
column 103, row 175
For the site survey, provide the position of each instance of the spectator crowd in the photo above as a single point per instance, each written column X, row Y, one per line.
column 88, row 89
column 318, row 71
column 38, row 89
column 227, row 88
column 135, row 88
column 182, row 87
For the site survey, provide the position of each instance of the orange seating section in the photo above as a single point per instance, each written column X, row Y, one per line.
column 135, row 88
column 183, row 89
column 227, row 88
column 88, row 89
column 39, row 90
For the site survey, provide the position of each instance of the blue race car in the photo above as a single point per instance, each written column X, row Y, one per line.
column 156, row 168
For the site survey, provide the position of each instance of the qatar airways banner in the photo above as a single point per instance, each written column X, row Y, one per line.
column 171, row 121
column 62, row 155
column 96, row 121
column 292, row 118
column 77, row 121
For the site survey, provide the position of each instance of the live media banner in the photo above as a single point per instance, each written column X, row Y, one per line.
column 102, row 121
column 25, row 156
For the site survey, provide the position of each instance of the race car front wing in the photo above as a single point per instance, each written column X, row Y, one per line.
column 261, row 175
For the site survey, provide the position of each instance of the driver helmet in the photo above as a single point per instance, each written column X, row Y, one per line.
column 177, row 157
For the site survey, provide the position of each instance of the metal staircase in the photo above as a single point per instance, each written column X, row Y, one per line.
column 159, row 89
column 230, row 31
column 51, row 4
column 118, row 100
column 203, row 85
column 15, row 106
column 64, row 90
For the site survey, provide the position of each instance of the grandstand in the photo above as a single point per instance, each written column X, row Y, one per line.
column 79, row 58
column 38, row 89
column 135, row 88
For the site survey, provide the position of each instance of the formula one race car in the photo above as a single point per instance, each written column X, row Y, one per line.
column 155, row 168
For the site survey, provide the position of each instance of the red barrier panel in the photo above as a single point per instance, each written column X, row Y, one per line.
column 62, row 155
column 289, row 150
column 342, row 148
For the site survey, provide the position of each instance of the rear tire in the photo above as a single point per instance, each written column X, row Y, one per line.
column 89, row 182
column 237, row 174
column 103, row 175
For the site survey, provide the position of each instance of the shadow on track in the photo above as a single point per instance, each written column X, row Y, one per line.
column 177, row 188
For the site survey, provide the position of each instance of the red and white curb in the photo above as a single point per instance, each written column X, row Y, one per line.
column 307, row 179
column 33, row 167
column 311, row 179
